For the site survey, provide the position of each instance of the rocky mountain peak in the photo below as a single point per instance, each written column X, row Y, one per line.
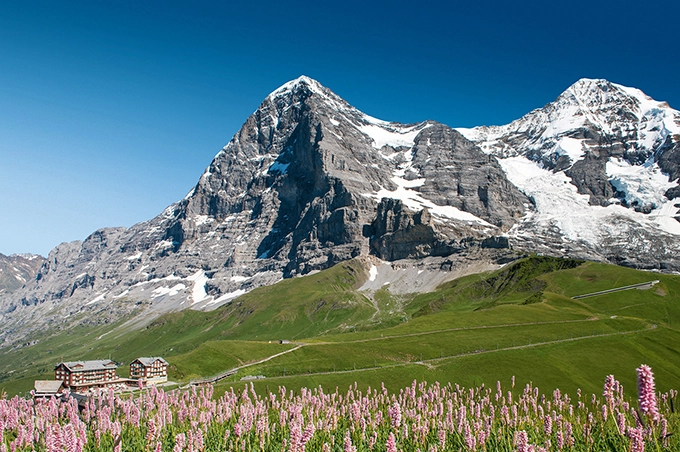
column 302, row 84
column 612, row 153
column 591, row 93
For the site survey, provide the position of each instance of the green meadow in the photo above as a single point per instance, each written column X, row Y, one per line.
column 518, row 321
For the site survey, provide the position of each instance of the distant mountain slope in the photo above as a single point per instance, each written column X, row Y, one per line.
column 18, row 269
column 310, row 181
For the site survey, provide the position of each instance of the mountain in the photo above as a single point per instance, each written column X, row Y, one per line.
column 601, row 165
column 17, row 269
column 310, row 181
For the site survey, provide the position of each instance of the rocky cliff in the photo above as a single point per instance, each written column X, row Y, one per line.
column 18, row 269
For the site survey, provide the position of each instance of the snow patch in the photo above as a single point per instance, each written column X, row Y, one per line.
column 202, row 219
column 121, row 295
column 383, row 133
column 372, row 273
column 414, row 200
column 643, row 185
column 198, row 293
column 558, row 204
column 238, row 278
column 164, row 244
column 226, row 296
column 290, row 86
column 134, row 257
column 99, row 298
column 571, row 147
column 169, row 291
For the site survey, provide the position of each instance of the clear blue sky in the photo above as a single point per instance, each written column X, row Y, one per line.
column 111, row 110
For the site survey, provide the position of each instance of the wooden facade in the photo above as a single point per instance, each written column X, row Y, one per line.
column 149, row 369
column 86, row 374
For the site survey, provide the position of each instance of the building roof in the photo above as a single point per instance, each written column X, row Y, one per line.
column 150, row 361
column 48, row 386
column 80, row 366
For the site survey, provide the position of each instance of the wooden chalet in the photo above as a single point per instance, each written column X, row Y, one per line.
column 151, row 370
column 84, row 375
column 44, row 389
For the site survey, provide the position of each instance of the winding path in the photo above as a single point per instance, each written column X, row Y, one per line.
column 645, row 285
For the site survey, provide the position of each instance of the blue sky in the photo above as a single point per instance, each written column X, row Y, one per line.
column 111, row 110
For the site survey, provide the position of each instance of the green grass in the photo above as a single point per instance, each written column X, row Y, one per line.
column 518, row 321
column 213, row 357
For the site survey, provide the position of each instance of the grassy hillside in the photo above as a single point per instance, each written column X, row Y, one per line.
column 519, row 320
column 291, row 309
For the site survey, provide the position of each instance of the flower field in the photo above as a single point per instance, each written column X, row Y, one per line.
column 421, row 417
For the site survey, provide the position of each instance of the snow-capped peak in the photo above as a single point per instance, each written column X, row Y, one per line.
column 295, row 84
column 610, row 110
column 380, row 132
column 591, row 157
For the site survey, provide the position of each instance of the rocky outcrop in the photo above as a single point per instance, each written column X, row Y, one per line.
column 16, row 270
column 457, row 173
column 399, row 233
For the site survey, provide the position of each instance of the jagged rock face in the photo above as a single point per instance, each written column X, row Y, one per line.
column 459, row 174
column 400, row 233
column 16, row 270
column 310, row 181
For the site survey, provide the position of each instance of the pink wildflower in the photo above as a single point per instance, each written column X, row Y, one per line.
column 307, row 434
column 637, row 441
column 621, row 423
column 560, row 439
column 391, row 443
column 470, row 440
column 521, row 441
column 442, row 438
column 569, row 434
column 664, row 432
column 394, row 412
column 180, row 442
column 348, row 443
column 647, row 393
column 608, row 392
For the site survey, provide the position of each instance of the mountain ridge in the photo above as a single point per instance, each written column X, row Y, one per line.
column 309, row 181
